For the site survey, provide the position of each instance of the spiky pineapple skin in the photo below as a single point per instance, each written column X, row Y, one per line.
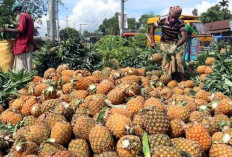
column 156, row 121
column 165, row 151
column 117, row 124
column 62, row 133
column 220, row 150
column 79, row 147
column 101, row 139
column 159, row 140
column 83, row 126
column 107, row 154
column 189, row 146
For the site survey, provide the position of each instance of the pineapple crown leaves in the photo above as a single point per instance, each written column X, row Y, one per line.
column 19, row 144
column 182, row 103
column 102, row 114
column 128, row 144
column 146, row 148
column 49, row 90
column 224, row 125
column 78, row 102
column 92, row 88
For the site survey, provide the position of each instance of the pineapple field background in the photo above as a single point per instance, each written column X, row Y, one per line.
column 111, row 99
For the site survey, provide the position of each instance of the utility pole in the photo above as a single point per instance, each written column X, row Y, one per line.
column 51, row 19
column 81, row 26
column 122, row 18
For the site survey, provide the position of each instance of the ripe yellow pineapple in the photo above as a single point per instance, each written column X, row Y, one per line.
column 79, row 148
column 178, row 112
column 67, row 88
column 29, row 121
column 153, row 102
column 203, row 77
column 165, row 78
column 208, row 70
column 49, row 105
column 118, row 124
column 199, row 133
column 50, row 148
column 21, row 149
column 63, row 153
column 201, row 69
column 165, row 151
column 172, row 84
column 96, row 103
column 82, row 127
column 49, row 72
column 37, row 134
column 155, row 121
column 189, row 146
column 17, row 104
column 101, row 139
column 130, row 79
column 189, row 84
column 142, row 71
column 220, row 150
column 62, row 133
column 129, row 146
column 9, row 116
column 64, row 109
column 176, row 128
column 26, row 107
column 116, row 96
column 80, row 94
column 159, row 140
column 38, row 89
column 107, row 154
column 81, row 83
column 224, row 107
column 210, row 61
column 157, row 57
column 36, row 110
column 67, row 72
column 135, row 104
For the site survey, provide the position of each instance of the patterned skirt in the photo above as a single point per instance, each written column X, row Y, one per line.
column 192, row 49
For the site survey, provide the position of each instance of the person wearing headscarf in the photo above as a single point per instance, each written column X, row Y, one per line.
column 171, row 27
column 192, row 45
column 24, row 41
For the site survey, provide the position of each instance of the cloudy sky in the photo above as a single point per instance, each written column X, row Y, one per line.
column 93, row 12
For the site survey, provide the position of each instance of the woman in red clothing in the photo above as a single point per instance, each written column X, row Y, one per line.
column 24, row 42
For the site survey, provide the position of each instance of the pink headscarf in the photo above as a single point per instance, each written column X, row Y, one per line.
column 175, row 10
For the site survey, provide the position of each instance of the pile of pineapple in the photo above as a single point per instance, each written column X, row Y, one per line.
column 108, row 113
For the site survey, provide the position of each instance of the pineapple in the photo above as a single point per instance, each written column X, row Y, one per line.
column 116, row 96
column 9, row 116
column 203, row 77
column 221, row 117
column 189, row 84
column 79, row 148
column 101, row 139
column 118, row 110
column 104, row 87
column 107, row 154
column 81, row 83
column 172, row 84
column 208, row 70
column 130, row 79
column 82, row 127
column 64, row 109
column 135, row 104
column 165, row 151
column 29, row 121
column 217, row 136
column 141, row 71
column 129, row 146
column 70, row 73
column 166, row 78
column 21, row 149
column 210, row 124
column 210, row 61
column 220, row 150
column 50, row 148
column 201, row 69
column 199, row 133
column 96, row 103
column 178, row 112
column 153, row 102
column 224, row 107
column 17, row 104
column 165, row 93
column 78, row 94
column 62, row 133
column 118, row 124
column 50, row 119
column 36, row 110
column 176, row 128
column 63, row 153
column 78, row 113
column 189, row 146
column 67, row 88
column 138, row 123
column 159, row 140
column 38, row 89
column 49, row 73
column 37, row 133
column 49, row 105
column 203, row 95
column 157, row 57
column 26, row 107
column 155, row 121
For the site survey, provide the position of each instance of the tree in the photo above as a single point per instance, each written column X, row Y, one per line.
column 69, row 33
column 132, row 24
column 215, row 13
column 110, row 26
column 143, row 21
column 195, row 12
column 224, row 4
